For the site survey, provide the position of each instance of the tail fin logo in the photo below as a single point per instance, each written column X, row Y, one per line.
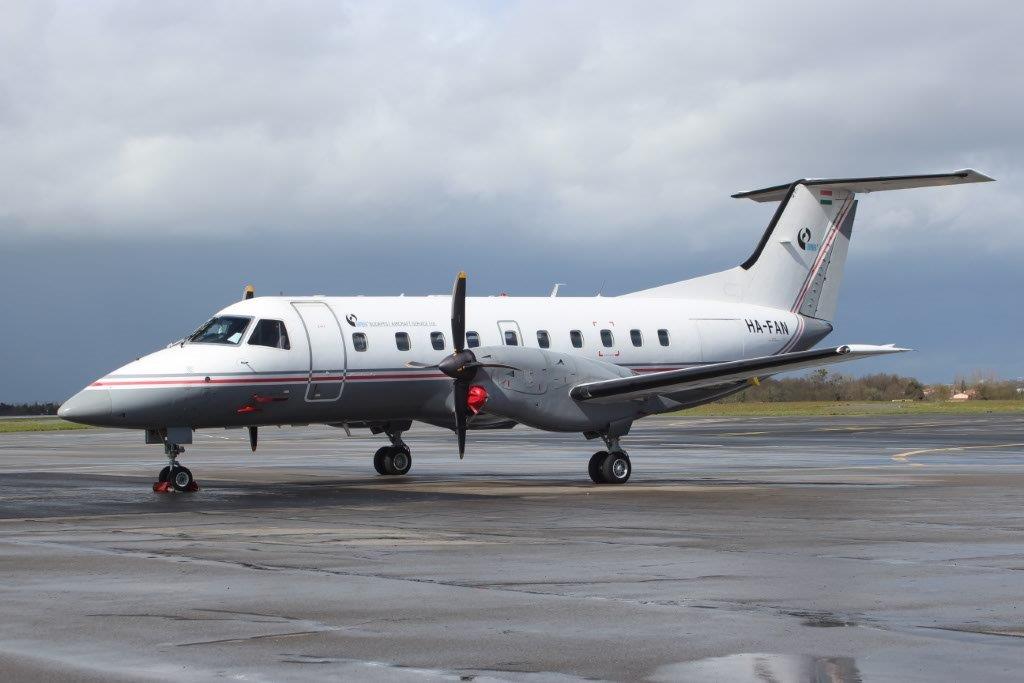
column 803, row 238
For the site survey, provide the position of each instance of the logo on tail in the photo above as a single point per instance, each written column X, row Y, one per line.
column 803, row 238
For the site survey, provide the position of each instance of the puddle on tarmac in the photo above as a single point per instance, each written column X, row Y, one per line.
column 760, row 667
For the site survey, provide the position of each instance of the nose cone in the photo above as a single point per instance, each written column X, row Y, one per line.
column 89, row 406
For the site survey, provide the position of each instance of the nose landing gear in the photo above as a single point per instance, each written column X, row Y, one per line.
column 395, row 459
column 175, row 476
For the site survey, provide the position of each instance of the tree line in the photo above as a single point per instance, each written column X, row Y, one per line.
column 822, row 385
column 29, row 408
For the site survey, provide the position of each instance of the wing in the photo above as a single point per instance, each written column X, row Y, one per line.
column 656, row 383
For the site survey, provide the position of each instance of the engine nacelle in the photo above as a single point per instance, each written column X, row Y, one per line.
column 536, row 391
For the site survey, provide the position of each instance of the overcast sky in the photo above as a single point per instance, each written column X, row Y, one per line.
column 155, row 157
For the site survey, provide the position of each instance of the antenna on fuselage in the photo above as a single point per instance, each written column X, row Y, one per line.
column 554, row 290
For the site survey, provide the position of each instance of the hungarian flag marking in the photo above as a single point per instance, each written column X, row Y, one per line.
column 826, row 197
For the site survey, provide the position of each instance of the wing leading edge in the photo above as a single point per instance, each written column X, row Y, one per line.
column 670, row 381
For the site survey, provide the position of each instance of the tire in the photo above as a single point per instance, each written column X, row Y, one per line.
column 399, row 461
column 165, row 474
column 181, row 478
column 594, row 468
column 380, row 457
column 616, row 468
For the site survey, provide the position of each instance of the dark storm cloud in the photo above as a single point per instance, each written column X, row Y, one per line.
column 601, row 140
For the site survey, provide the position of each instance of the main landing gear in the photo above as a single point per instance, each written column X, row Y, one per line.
column 175, row 476
column 611, row 466
column 394, row 459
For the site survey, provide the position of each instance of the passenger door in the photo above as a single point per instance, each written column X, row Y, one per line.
column 326, row 350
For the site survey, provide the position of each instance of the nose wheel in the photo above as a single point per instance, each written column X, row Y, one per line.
column 395, row 459
column 392, row 460
column 175, row 476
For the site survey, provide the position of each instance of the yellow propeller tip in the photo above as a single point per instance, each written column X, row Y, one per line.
column 462, row 275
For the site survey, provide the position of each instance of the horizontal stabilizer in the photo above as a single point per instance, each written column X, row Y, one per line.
column 876, row 184
column 717, row 374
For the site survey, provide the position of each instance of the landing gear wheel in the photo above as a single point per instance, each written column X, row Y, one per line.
column 379, row 458
column 392, row 460
column 165, row 474
column 594, row 468
column 616, row 468
column 398, row 461
column 181, row 479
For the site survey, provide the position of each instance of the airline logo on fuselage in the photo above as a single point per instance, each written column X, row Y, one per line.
column 352, row 320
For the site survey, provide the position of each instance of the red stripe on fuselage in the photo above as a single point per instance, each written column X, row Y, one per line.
column 261, row 380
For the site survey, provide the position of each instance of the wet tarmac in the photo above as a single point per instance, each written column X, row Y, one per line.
column 840, row 549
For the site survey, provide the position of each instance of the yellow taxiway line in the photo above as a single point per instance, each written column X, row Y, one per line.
column 903, row 457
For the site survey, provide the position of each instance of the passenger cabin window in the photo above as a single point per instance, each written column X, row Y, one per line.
column 636, row 337
column 543, row 340
column 270, row 333
column 402, row 341
column 607, row 339
column 359, row 341
column 511, row 338
column 225, row 329
column 663, row 337
column 576, row 337
column 437, row 340
column 472, row 339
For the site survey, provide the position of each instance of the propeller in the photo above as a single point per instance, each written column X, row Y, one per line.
column 462, row 366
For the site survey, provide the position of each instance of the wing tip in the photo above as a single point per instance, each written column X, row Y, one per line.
column 871, row 349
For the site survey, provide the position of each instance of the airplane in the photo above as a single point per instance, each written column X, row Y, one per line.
column 591, row 365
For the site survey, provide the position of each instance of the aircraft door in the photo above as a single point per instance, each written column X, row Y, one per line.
column 326, row 350
column 510, row 333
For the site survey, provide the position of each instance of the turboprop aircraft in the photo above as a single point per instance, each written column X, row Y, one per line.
column 591, row 365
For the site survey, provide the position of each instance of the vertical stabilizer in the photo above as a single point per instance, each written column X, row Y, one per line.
column 798, row 264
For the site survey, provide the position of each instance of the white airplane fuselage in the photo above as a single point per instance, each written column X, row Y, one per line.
column 323, row 378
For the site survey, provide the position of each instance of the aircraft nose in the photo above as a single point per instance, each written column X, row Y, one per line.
column 88, row 406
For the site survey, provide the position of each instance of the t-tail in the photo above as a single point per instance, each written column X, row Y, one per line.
column 798, row 264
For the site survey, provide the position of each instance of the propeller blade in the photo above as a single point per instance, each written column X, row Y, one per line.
column 490, row 365
column 459, row 313
column 249, row 292
column 461, row 389
column 253, row 436
column 462, row 364
column 417, row 364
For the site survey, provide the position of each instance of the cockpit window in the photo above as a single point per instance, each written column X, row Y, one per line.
column 224, row 329
column 270, row 333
